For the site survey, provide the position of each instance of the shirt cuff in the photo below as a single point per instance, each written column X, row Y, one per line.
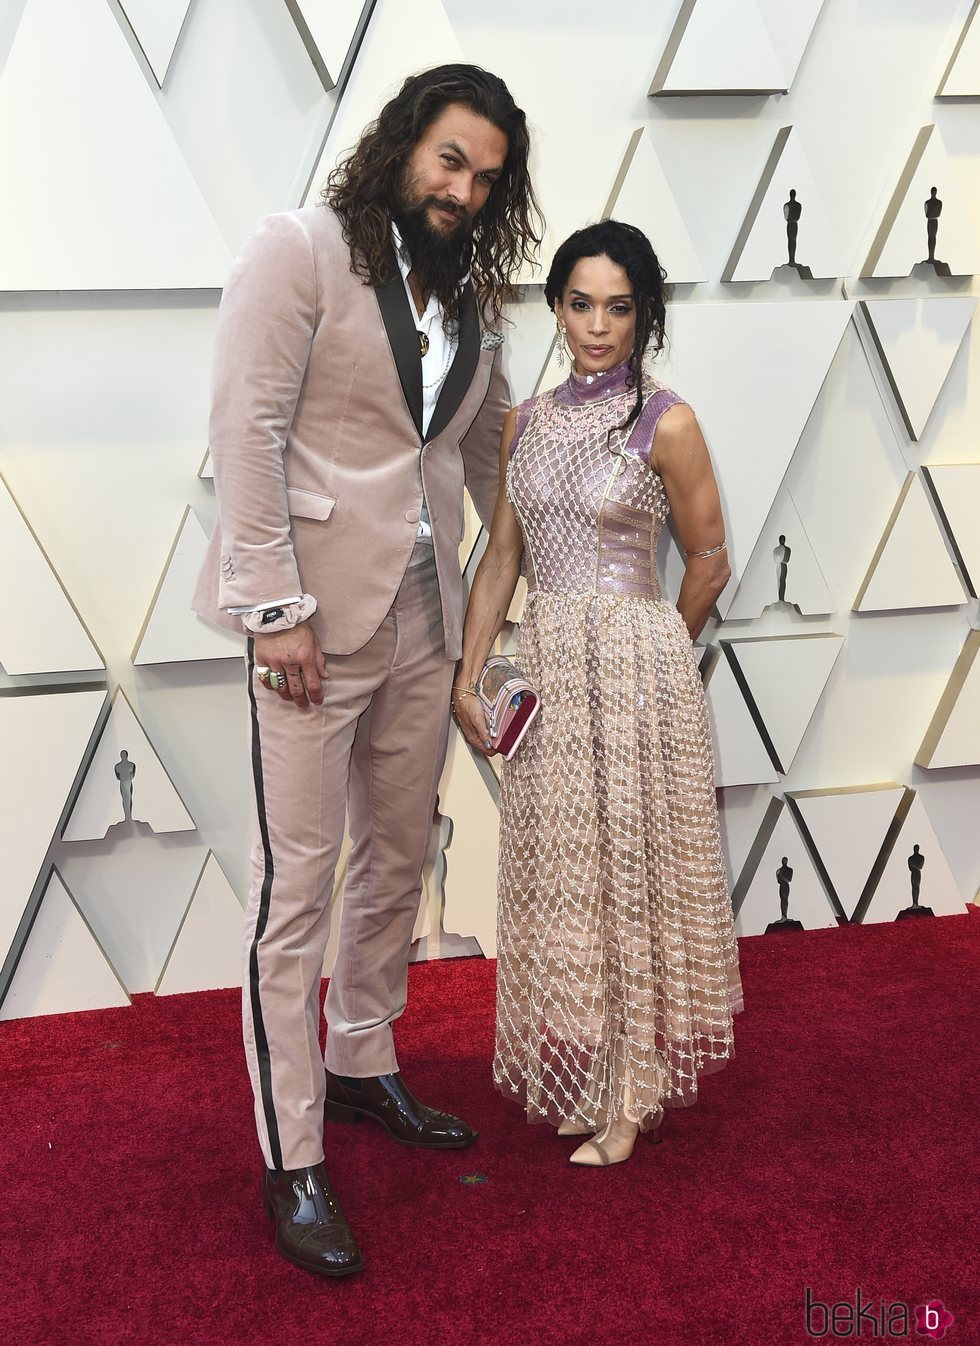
column 264, row 607
column 267, row 620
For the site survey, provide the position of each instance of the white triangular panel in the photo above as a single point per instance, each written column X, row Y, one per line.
column 83, row 126
column 719, row 46
column 803, row 583
column 402, row 40
column 786, row 676
column 471, row 857
column 938, row 888
column 918, row 340
column 99, row 805
column 642, row 196
column 848, row 827
column 40, row 630
column 953, row 737
column 721, row 359
column 756, row 895
column 44, row 738
column 956, row 486
column 327, row 28
column 132, row 890
column 206, row 470
column 172, row 633
column 911, row 568
column 902, row 240
column 61, row 967
column 740, row 755
column 529, row 346
column 763, row 244
column 156, row 25
column 962, row 78
column 207, row 952
column 790, row 28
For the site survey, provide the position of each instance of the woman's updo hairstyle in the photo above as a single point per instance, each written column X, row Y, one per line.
column 629, row 248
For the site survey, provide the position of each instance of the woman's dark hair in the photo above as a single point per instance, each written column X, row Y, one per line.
column 629, row 248
column 363, row 187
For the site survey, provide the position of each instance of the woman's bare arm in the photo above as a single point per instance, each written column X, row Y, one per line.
column 681, row 457
column 490, row 597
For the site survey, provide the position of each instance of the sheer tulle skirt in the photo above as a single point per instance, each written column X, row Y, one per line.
column 618, row 968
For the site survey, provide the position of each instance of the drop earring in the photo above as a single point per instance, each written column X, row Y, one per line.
column 563, row 350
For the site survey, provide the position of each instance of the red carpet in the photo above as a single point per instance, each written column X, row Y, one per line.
column 837, row 1152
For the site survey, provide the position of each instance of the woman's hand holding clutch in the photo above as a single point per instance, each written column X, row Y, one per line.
column 506, row 705
column 472, row 719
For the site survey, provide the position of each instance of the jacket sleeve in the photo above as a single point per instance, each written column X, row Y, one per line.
column 480, row 446
column 262, row 346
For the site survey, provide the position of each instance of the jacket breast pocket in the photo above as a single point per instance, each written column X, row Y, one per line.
column 309, row 504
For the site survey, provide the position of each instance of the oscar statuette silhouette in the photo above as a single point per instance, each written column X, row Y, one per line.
column 784, row 877
column 125, row 771
column 792, row 210
column 916, row 863
column 933, row 208
column 781, row 555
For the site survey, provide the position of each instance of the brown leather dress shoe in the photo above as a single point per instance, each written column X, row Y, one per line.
column 311, row 1230
column 388, row 1099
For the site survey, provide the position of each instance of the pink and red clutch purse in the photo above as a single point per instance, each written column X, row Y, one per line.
column 510, row 702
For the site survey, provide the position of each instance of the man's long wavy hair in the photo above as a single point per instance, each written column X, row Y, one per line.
column 364, row 185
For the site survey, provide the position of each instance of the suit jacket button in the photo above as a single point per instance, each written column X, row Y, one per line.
column 412, row 516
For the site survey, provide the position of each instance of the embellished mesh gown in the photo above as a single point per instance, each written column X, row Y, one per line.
column 617, row 963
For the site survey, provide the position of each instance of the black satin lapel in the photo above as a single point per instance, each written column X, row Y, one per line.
column 461, row 372
column 403, row 337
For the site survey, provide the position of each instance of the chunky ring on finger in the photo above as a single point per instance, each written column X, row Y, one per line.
column 269, row 678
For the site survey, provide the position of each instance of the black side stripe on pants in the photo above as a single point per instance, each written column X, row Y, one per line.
column 262, row 919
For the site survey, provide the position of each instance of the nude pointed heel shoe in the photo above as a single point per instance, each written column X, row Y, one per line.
column 575, row 1126
column 614, row 1144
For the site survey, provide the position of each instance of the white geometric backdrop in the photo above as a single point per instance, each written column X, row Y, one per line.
column 139, row 144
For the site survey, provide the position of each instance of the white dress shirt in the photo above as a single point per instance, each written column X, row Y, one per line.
column 437, row 359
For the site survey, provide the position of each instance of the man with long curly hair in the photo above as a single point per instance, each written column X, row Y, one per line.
column 357, row 382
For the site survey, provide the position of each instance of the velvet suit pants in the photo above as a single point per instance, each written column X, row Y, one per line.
column 373, row 752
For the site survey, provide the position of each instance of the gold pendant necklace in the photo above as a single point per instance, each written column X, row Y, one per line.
column 423, row 345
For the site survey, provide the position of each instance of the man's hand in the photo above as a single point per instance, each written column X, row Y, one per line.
column 297, row 655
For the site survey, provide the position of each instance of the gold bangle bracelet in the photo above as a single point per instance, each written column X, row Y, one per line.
column 712, row 551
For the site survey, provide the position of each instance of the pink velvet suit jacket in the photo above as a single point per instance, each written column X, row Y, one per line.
column 316, row 437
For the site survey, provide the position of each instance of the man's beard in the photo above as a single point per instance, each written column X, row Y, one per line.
column 439, row 259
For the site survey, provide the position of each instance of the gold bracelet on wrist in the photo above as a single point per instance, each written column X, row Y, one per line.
column 712, row 551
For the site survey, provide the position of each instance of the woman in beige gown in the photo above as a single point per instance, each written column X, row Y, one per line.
column 618, row 969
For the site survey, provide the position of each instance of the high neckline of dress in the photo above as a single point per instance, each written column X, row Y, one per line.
column 581, row 388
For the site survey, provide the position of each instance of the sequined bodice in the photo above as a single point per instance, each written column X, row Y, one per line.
column 590, row 509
